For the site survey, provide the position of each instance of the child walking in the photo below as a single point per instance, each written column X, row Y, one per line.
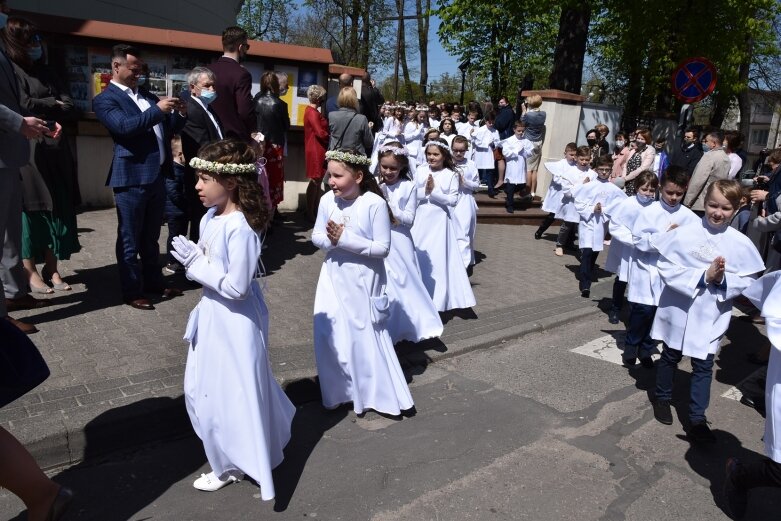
column 569, row 178
column 552, row 201
column 704, row 266
column 465, row 213
column 622, row 220
column 484, row 141
column 353, row 349
column 434, row 232
column 645, row 283
column 235, row 405
column 515, row 149
column 413, row 315
column 594, row 203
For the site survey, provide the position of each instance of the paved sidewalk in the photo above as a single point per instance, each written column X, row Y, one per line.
column 112, row 364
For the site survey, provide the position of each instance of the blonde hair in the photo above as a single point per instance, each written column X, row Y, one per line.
column 315, row 93
column 347, row 98
column 731, row 190
column 534, row 101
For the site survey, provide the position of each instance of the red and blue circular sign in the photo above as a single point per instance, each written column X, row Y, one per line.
column 694, row 80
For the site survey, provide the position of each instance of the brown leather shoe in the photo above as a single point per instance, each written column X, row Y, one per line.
column 24, row 327
column 171, row 293
column 26, row 302
column 140, row 303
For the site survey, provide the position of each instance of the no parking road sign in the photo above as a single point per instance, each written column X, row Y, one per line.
column 694, row 79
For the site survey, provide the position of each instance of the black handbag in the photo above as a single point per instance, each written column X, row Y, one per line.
column 22, row 368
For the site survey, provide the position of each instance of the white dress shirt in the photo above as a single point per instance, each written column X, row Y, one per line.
column 144, row 105
column 208, row 112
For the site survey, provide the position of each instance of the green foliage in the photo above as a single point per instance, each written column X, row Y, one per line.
column 266, row 19
column 503, row 40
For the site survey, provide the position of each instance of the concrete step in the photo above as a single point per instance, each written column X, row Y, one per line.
column 492, row 211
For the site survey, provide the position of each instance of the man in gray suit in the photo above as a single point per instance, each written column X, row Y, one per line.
column 15, row 130
column 713, row 165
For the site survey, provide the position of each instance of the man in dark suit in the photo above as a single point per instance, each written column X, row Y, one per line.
column 202, row 127
column 141, row 126
column 234, row 85
column 371, row 101
column 15, row 131
column 345, row 80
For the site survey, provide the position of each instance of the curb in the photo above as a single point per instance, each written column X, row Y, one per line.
column 91, row 433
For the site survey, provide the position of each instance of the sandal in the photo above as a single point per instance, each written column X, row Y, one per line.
column 45, row 290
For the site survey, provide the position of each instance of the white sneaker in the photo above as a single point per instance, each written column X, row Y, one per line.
column 210, row 482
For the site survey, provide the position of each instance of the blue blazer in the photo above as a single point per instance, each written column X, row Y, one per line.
column 136, row 154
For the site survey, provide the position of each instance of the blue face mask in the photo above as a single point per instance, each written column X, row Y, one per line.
column 644, row 199
column 705, row 148
column 3, row 19
column 207, row 96
column 141, row 80
column 35, row 53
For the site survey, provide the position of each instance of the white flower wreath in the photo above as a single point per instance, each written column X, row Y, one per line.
column 346, row 157
column 222, row 168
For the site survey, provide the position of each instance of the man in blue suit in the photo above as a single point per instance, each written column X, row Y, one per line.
column 141, row 125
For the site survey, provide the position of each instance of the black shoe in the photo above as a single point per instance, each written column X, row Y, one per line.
column 735, row 496
column 647, row 363
column 509, row 209
column 629, row 362
column 754, row 359
column 612, row 316
column 585, row 293
column 755, row 402
column 662, row 412
column 699, row 432
column 538, row 235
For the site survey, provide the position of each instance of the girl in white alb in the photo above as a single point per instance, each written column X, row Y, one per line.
column 413, row 315
column 414, row 132
column 704, row 266
column 353, row 349
column 465, row 212
column 235, row 405
column 434, row 234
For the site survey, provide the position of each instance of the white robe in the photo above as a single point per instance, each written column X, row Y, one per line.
column 435, row 241
column 591, row 228
column 482, row 140
column 413, row 315
column 413, row 137
column 515, row 152
column 353, row 350
column 645, row 284
column 765, row 294
column 569, row 178
column 552, row 201
column 622, row 220
column 692, row 318
column 235, row 405
column 465, row 212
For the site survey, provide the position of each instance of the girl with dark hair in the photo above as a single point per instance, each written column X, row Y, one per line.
column 273, row 122
column 353, row 349
column 413, row 316
column 235, row 405
column 434, row 231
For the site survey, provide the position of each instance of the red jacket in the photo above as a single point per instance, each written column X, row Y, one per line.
column 315, row 142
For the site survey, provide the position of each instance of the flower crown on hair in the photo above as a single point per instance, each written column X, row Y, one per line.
column 222, row 168
column 347, row 157
column 439, row 144
column 397, row 151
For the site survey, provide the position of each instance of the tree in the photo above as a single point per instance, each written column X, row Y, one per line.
column 570, row 49
column 503, row 40
column 266, row 19
column 423, row 12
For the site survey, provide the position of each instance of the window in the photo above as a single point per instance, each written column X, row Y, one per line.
column 759, row 137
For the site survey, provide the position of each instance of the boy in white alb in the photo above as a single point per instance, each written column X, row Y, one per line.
column 645, row 284
column 569, row 178
column 552, row 200
column 594, row 203
column 515, row 149
column 484, row 141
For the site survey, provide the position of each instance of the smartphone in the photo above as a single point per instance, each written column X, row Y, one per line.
column 51, row 125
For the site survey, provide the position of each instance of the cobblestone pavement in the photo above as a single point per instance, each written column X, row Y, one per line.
column 104, row 354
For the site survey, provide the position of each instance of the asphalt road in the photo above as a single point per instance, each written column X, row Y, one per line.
column 528, row 430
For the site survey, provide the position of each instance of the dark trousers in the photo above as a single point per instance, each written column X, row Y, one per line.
column 488, row 176
column 176, row 214
column 619, row 288
column 195, row 208
column 638, row 342
column 588, row 258
column 139, row 218
column 509, row 191
column 566, row 236
column 762, row 473
column 546, row 223
column 699, row 391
